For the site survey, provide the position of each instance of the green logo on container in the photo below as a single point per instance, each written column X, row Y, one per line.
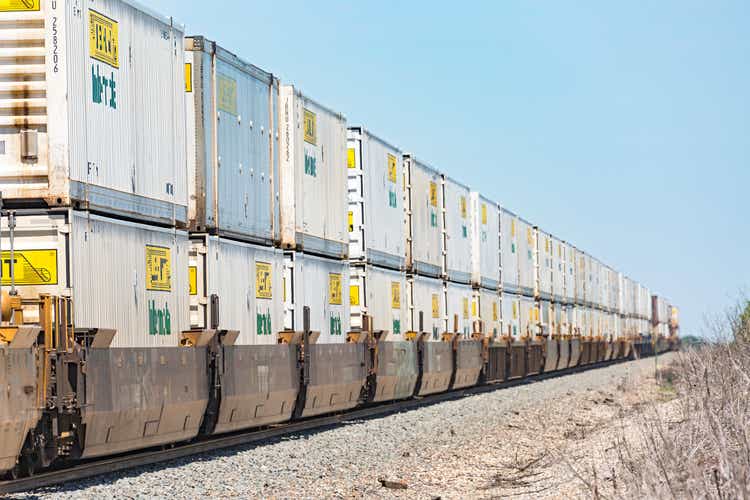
column 335, row 325
column 397, row 327
column 311, row 167
column 103, row 89
column 264, row 323
column 159, row 320
column 392, row 200
column 433, row 219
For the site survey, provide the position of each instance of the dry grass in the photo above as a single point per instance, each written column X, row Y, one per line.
column 693, row 441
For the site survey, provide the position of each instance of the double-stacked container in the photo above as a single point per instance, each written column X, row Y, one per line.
column 377, row 234
column 486, row 256
column 236, row 274
column 93, row 139
column 527, row 277
column 509, row 251
column 459, row 259
column 313, row 214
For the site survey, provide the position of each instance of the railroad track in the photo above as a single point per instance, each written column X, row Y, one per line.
column 86, row 470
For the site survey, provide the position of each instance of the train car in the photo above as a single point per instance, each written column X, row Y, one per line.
column 458, row 238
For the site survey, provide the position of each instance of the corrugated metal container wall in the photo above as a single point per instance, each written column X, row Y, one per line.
column 377, row 232
column 581, row 276
column 313, row 197
column 645, row 303
column 511, row 319
column 529, row 317
column 322, row 285
column 486, row 307
column 458, row 242
column 592, row 291
column 232, row 144
column 570, row 273
column 94, row 109
column 121, row 275
column 544, row 265
column 558, row 270
column 569, row 320
column 604, row 286
column 526, row 258
column 546, row 317
column 380, row 293
column 247, row 279
column 427, row 296
column 485, row 218
column 458, row 301
column 614, row 290
column 509, row 251
column 424, row 253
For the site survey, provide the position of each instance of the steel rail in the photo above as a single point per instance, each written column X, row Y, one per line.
column 97, row 467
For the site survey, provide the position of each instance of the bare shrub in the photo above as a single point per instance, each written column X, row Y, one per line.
column 696, row 444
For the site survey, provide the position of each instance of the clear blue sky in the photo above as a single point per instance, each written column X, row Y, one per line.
column 623, row 127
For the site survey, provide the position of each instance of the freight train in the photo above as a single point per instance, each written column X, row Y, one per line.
column 192, row 248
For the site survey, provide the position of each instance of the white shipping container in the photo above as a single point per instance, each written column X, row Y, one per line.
column 509, row 251
column 458, row 307
column 530, row 317
column 485, row 306
column 581, row 276
column 313, row 184
column 559, row 266
column 425, row 222
column 570, row 274
column 427, row 296
column 232, row 144
column 544, row 264
column 121, row 275
column 511, row 318
column 94, row 112
column 381, row 294
column 248, row 282
column 546, row 317
column 458, row 241
column 377, row 231
column 322, row 285
column 526, row 257
column 644, row 303
column 485, row 217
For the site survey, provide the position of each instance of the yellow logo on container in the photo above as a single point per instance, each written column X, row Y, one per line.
column 463, row 207
column 334, row 289
column 353, row 295
column 494, row 311
column 435, row 306
column 103, row 39
column 311, row 127
column 30, row 267
column 193, row 279
column 158, row 269
column 529, row 236
column 395, row 295
column 188, row 77
column 263, row 280
column 433, row 194
column 351, row 158
column 474, row 308
column 484, row 214
column 351, row 222
column 227, row 94
column 515, row 310
column 20, row 5
column 513, row 228
column 392, row 168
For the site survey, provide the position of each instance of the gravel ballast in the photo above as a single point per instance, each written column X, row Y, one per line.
column 477, row 447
